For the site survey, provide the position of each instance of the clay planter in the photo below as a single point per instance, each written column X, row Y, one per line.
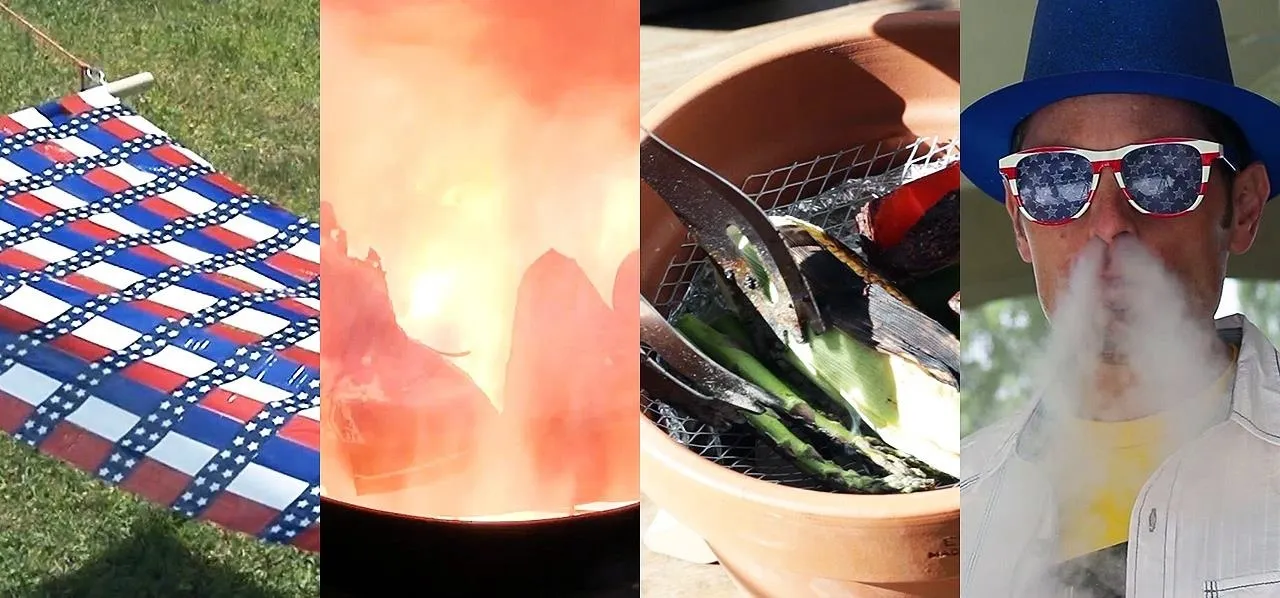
column 810, row 94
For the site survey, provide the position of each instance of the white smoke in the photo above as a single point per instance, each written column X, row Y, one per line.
column 1123, row 345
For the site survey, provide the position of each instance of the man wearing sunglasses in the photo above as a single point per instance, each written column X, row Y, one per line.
column 1128, row 128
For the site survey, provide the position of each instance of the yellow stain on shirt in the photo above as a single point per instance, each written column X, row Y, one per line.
column 1133, row 449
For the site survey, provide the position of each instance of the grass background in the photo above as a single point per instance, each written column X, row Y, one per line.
column 237, row 81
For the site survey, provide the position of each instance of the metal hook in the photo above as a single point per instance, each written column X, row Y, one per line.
column 91, row 77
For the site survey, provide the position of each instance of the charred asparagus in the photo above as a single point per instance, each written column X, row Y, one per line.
column 902, row 473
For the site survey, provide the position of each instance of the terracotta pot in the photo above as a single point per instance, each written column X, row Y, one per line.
column 810, row 94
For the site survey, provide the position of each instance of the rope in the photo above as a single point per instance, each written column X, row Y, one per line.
column 88, row 74
column 44, row 36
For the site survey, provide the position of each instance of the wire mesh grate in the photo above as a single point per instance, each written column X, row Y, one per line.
column 826, row 191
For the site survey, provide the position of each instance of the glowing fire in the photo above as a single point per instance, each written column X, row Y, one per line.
column 480, row 256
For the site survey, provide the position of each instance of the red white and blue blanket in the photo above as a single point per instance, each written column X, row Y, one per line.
column 159, row 324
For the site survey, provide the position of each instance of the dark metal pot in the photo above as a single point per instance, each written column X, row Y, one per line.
column 368, row 553
column 657, row 9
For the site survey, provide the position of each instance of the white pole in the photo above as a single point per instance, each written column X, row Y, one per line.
column 130, row 86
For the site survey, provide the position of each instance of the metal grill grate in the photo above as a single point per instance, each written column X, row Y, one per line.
column 826, row 191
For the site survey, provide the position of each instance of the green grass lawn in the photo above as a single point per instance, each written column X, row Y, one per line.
column 238, row 82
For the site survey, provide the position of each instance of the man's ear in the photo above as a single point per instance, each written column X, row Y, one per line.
column 1249, row 194
column 1019, row 225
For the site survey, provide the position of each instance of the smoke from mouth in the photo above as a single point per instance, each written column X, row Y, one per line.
column 1123, row 345
column 1123, row 321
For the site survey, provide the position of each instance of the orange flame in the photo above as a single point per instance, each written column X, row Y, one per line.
column 480, row 220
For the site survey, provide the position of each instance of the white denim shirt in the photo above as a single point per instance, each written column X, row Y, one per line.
column 1205, row 525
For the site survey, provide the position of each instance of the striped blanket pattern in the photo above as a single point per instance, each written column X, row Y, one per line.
column 159, row 324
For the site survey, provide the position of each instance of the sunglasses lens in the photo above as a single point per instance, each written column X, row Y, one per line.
column 1054, row 186
column 1163, row 179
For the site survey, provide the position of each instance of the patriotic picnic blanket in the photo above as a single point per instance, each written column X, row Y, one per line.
column 159, row 325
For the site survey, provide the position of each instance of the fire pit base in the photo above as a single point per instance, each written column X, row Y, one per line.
column 369, row 554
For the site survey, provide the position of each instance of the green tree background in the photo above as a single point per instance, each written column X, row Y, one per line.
column 1000, row 336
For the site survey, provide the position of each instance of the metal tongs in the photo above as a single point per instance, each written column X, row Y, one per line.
column 687, row 371
column 721, row 218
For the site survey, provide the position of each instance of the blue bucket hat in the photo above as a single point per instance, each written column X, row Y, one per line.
column 1171, row 48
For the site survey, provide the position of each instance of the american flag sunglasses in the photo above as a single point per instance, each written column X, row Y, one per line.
column 1162, row 178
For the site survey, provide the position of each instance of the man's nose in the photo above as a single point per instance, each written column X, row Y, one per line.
column 1110, row 215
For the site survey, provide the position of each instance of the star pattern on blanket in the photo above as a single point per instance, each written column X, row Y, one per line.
column 159, row 324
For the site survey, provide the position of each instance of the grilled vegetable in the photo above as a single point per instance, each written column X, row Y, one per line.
column 790, row 371
column 932, row 244
column 912, row 237
column 895, row 367
column 915, row 230
column 813, row 310
column 933, row 294
column 902, row 473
